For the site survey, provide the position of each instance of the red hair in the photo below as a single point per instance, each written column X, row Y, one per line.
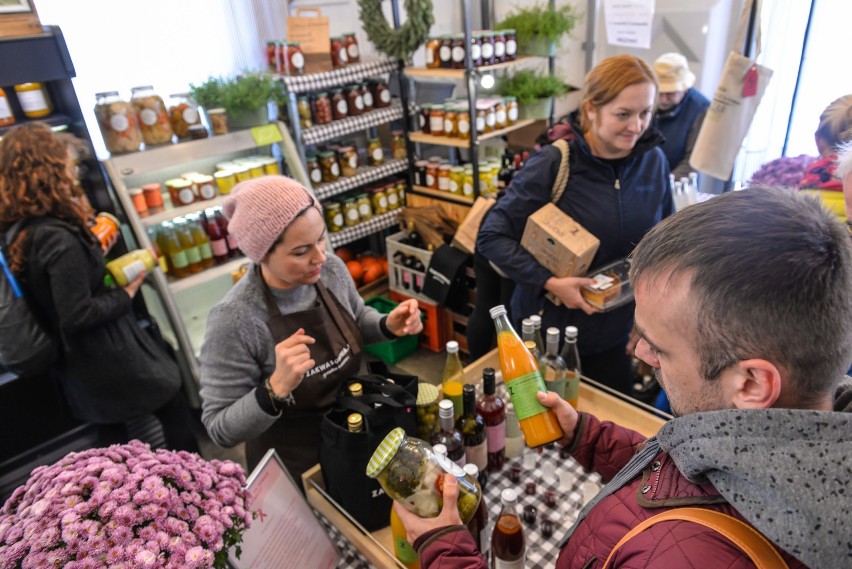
column 609, row 78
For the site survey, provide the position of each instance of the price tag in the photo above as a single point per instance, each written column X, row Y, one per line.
column 750, row 82
column 266, row 134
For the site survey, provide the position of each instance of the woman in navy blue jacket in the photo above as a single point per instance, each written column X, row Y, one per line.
column 617, row 189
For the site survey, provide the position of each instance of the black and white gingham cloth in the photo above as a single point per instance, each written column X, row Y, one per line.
column 364, row 176
column 349, row 74
column 350, row 557
column 342, row 127
column 363, row 229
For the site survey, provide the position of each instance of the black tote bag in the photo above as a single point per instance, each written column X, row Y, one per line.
column 388, row 402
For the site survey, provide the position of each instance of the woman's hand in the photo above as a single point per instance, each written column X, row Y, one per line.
column 415, row 526
column 132, row 288
column 565, row 414
column 567, row 289
column 292, row 362
column 405, row 318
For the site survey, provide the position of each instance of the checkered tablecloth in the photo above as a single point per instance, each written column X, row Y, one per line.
column 349, row 74
column 350, row 557
column 364, row 176
column 363, row 229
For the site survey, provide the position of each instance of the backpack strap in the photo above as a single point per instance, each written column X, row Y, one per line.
column 758, row 549
column 561, row 181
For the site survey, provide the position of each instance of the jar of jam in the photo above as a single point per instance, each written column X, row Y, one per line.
column 225, row 181
column 511, row 44
column 354, row 100
column 294, row 63
column 6, row 116
column 433, row 56
column 366, row 96
column 352, row 51
column 511, row 110
column 381, row 93
column 420, row 173
column 425, row 110
column 303, row 105
column 475, row 50
column 380, row 200
column 398, row 150
column 180, row 191
column 487, row 45
column 118, row 123
column 445, row 53
column 480, row 121
column 375, row 153
column 444, row 177
column 153, row 118
column 339, row 105
column 463, row 123
column 436, row 121
column 365, row 206
column 333, row 217
column 456, row 180
column 393, row 196
column 351, row 216
column 153, row 193
column 458, row 51
column 323, row 113
column 499, row 47
column 313, row 168
column 329, row 168
column 206, row 186
column 347, row 157
column 500, row 115
column 432, row 175
column 451, row 124
column 490, row 119
column 183, row 113
column 139, row 203
column 339, row 57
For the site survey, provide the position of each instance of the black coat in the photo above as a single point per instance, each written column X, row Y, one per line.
column 111, row 369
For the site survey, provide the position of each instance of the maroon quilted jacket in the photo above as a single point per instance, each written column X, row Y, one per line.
column 605, row 447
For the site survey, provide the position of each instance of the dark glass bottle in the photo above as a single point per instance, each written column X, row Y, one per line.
column 218, row 244
column 233, row 249
column 493, row 412
column 507, row 539
column 479, row 521
column 448, row 435
column 472, row 427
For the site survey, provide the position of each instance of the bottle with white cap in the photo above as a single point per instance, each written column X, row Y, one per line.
column 573, row 370
column 449, row 435
column 452, row 379
column 508, row 550
column 552, row 365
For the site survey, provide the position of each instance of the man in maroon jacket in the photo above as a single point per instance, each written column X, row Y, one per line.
column 744, row 309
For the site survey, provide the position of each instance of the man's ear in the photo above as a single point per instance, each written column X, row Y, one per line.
column 754, row 384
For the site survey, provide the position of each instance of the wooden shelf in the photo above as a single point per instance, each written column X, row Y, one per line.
column 441, row 73
column 459, row 143
column 208, row 274
column 441, row 195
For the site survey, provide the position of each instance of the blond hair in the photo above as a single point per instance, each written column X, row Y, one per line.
column 609, row 78
column 835, row 122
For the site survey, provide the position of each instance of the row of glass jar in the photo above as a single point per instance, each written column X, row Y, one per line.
column 33, row 99
column 357, row 207
column 342, row 102
column 439, row 174
column 486, row 47
column 452, row 119
column 124, row 126
column 336, row 160
column 287, row 57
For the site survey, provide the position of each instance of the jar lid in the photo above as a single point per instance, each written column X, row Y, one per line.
column 135, row 191
column 107, row 94
column 152, row 187
column 385, row 452
column 178, row 183
column 223, row 174
column 457, row 169
column 293, row 44
column 142, row 88
column 427, row 394
column 326, row 154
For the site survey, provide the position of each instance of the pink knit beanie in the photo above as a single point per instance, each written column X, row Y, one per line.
column 260, row 209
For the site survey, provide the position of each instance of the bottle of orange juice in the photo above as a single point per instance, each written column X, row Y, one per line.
column 453, row 378
column 405, row 553
column 523, row 380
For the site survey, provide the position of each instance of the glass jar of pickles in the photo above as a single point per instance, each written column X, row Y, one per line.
column 467, row 185
column 118, row 123
column 348, row 160
column 511, row 109
column 427, row 410
column 153, row 118
column 500, row 115
column 380, row 200
column 365, row 206
column 485, row 178
column 375, row 153
column 313, row 168
column 351, row 217
column 329, row 168
column 303, row 106
column 398, row 150
column 456, row 180
column 323, row 113
column 480, row 121
column 183, row 113
column 334, row 217
column 393, row 196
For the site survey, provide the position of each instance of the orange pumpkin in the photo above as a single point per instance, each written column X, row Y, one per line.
column 356, row 270
column 344, row 254
column 373, row 272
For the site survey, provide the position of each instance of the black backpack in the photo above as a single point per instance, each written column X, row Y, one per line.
column 25, row 348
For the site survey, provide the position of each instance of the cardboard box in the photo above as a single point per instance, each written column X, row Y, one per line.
column 559, row 243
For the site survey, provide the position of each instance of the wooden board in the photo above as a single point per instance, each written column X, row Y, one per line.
column 12, row 25
column 455, row 211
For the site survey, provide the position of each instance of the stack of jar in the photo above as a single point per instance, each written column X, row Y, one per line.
column 339, row 103
column 287, row 57
column 487, row 47
column 438, row 174
column 194, row 243
column 124, row 126
column 452, row 119
column 353, row 208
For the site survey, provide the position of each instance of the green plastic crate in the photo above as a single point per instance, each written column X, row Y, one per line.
column 391, row 351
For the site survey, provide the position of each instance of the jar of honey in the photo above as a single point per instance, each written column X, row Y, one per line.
column 511, row 109
column 480, row 121
column 444, row 177
column 500, row 115
column 450, row 124
column 433, row 57
column 436, row 120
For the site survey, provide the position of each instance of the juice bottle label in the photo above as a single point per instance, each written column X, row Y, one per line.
column 404, row 551
column 523, row 391
column 205, row 250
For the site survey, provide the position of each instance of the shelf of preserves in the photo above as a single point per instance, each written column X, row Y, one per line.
column 460, row 143
column 173, row 212
column 441, row 73
column 207, row 274
column 426, row 191
column 350, row 234
column 365, row 175
column 326, row 79
column 334, row 129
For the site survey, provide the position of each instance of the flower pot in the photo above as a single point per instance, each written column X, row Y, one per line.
column 538, row 46
column 247, row 118
column 541, row 109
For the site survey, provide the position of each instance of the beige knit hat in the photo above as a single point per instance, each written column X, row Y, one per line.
column 260, row 209
column 673, row 73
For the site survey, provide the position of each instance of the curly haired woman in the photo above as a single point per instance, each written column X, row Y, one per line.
column 110, row 370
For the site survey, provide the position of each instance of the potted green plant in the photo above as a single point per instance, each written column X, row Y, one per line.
column 539, row 27
column 535, row 92
column 244, row 97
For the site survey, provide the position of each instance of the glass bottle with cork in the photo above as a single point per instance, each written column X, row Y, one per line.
column 493, row 412
column 452, row 378
column 508, row 549
column 573, row 371
column 472, row 427
column 552, row 365
column 448, row 435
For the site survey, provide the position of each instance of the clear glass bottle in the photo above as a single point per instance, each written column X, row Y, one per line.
column 528, row 336
column 449, row 435
column 552, row 365
column 493, row 412
column 452, row 378
column 508, row 548
column 171, row 245
column 523, row 380
column 539, row 341
column 472, row 427
column 573, row 371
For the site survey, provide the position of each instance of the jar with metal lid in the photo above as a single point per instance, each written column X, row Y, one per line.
column 475, row 50
column 381, row 93
column 333, row 216
column 339, row 57
column 6, row 116
column 511, row 44
column 242, row 173
column 206, row 186
column 339, row 105
column 270, row 166
column 139, row 203
column 365, row 206
column 183, row 113
column 400, row 190
column 500, row 115
column 153, row 118
column 432, row 175
column 511, row 109
column 118, row 123
column 436, row 120
column 499, row 47
column 485, row 178
column 463, row 123
column 444, row 177
column 467, row 186
column 366, row 96
column 480, row 120
column 180, row 191
column 225, row 181
column 456, row 180
column 323, row 113
column 354, row 100
column 425, row 111
column 490, row 119
column 313, row 168
column 458, row 51
column 351, row 216
column 420, row 173
column 347, row 157
column 487, row 44
column 294, row 63
column 329, row 167
column 445, row 53
column 34, row 100
column 380, row 200
column 393, row 196
column 352, row 51
column 303, row 105
column 153, row 193
column 427, row 410
column 375, row 153
column 398, row 150
column 451, row 124
column 433, row 56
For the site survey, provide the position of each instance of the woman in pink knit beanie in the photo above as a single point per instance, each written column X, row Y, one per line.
column 285, row 337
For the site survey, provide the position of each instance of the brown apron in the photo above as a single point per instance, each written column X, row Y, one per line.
column 337, row 353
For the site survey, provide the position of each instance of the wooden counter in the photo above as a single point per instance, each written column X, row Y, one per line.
column 377, row 546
